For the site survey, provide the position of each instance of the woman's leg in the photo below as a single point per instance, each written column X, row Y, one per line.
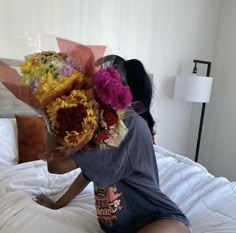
column 165, row 226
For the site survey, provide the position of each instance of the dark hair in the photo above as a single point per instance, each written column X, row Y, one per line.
column 141, row 87
column 135, row 76
column 119, row 64
column 115, row 61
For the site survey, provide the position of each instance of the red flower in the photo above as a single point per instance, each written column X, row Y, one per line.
column 70, row 119
column 101, row 136
column 109, row 115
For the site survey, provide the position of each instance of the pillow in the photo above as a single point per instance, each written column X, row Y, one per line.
column 31, row 131
column 8, row 142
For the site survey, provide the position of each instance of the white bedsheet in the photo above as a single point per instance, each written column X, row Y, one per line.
column 20, row 214
column 209, row 202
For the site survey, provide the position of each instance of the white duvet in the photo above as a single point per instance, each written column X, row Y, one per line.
column 209, row 202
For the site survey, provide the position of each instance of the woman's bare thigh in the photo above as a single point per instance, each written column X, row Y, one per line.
column 165, row 226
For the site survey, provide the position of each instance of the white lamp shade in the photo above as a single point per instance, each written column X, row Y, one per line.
column 193, row 88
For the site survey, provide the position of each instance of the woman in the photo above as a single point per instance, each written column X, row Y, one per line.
column 126, row 183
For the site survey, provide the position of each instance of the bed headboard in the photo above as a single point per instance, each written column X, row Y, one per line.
column 10, row 105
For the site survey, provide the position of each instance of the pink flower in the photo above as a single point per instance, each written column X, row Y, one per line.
column 123, row 98
column 110, row 90
column 113, row 73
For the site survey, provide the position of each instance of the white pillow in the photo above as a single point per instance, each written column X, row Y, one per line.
column 8, row 142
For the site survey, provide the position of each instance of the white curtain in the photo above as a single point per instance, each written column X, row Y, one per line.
column 166, row 35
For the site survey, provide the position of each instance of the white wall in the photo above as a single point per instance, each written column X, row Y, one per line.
column 189, row 34
column 218, row 150
column 165, row 34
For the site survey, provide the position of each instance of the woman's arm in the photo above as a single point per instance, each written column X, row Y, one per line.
column 57, row 156
column 75, row 189
column 58, row 162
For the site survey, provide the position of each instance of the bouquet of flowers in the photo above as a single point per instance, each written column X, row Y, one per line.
column 50, row 74
column 112, row 96
column 56, row 80
column 79, row 105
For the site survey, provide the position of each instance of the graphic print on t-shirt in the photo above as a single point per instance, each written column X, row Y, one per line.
column 108, row 203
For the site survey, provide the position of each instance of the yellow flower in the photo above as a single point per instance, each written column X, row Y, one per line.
column 89, row 124
column 50, row 75
column 72, row 139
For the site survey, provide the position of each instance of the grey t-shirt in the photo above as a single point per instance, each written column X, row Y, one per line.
column 126, row 182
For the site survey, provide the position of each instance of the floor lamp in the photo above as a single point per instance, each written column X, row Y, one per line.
column 195, row 88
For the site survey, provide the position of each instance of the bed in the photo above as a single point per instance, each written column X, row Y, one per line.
column 208, row 201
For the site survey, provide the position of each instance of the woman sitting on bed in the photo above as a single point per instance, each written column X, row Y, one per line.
column 126, row 183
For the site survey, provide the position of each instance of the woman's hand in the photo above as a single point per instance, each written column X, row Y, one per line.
column 78, row 185
column 45, row 201
column 52, row 154
column 55, row 150
column 58, row 153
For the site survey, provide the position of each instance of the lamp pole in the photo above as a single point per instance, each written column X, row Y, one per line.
column 203, row 106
